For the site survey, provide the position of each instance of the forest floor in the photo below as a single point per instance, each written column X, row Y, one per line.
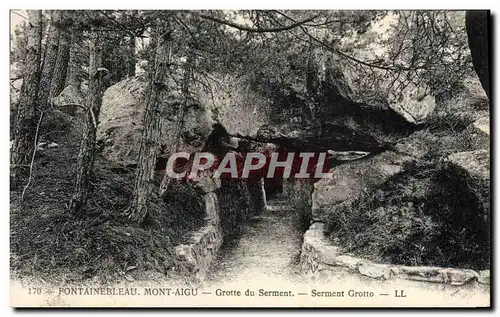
column 48, row 241
column 268, row 248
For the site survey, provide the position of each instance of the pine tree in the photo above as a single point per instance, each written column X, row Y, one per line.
column 158, row 86
column 87, row 154
column 49, row 60
column 25, row 125
column 61, row 66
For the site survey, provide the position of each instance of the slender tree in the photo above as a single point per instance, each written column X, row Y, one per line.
column 50, row 57
column 186, row 81
column 143, row 186
column 75, row 59
column 61, row 66
column 86, row 155
column 130, row 56
column 25, row 127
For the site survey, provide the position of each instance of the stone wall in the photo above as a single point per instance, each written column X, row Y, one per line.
column 298, row 193
column 227, row 207
column 197, row 254
column 239, row 200
column 320, row 260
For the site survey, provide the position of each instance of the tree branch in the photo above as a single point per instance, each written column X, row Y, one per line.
column 33, row 156
column 339, row 52
column 257, row 30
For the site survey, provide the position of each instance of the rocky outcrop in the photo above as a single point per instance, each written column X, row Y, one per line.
column 412, row 104
column 378, row 87
column 236, row 106
column 349, row 180
column 335, row 122
column 120, row 123
column 323, row 260
column 474, row 167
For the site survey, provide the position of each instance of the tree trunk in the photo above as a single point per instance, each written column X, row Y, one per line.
column 25, row 126
column 180, row 112
column 49, row 60
column 143, row 186
column 131, row 60
column 75, row 59
column 61, row 67
column 477, row 24
column 74, row 77
column 86, row 155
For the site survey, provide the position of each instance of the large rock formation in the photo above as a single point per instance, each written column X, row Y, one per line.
column 350, row 180
column 336, row 111
column 474, row 167
column 372, row 86
column 238, row 108
column 120, row 123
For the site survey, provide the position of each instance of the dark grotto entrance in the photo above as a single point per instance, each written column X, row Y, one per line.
column 273, row 187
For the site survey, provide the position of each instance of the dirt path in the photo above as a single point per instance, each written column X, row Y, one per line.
column 267, row 248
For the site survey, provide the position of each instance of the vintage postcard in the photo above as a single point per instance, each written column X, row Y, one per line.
column 249, row 158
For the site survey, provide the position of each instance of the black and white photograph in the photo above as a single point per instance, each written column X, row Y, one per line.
column 250, row 158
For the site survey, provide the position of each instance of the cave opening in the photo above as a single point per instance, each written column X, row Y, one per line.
column 273, row 187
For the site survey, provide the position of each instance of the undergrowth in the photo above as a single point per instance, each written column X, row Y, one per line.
column 48, row 240
column 424, row 216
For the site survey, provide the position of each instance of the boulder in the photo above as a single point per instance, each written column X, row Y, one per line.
column 477, row 134
column 474, row 167
column 412, row 104
column 70, row 99
column 120, row 123
column 349, row 180
column 371, row 86
column 236, row 106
